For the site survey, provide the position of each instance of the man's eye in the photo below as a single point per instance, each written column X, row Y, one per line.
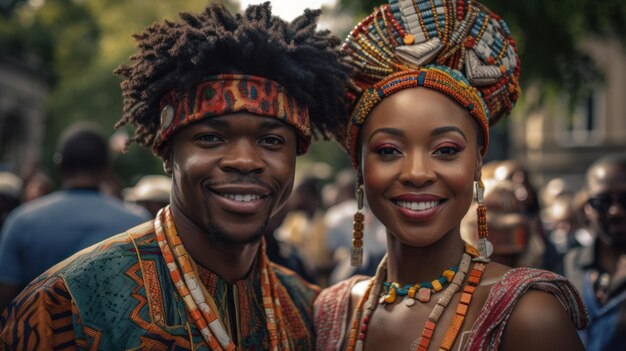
column 208, row 138
column 272, row 140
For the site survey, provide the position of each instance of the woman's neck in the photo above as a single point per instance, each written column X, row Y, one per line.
column 410, row 264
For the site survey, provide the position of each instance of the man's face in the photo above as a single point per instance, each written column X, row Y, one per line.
column 606, row 204
column 231, row 173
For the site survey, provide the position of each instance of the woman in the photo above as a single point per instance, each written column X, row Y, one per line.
column 431, row 76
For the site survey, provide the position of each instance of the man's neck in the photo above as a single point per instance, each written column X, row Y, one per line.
column 81, row 182
column 608, row 256
column 231, row 262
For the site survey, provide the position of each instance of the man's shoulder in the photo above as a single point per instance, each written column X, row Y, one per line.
column 40, row 313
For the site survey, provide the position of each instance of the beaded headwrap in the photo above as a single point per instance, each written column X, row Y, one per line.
column 229, row 93
column 459, row 39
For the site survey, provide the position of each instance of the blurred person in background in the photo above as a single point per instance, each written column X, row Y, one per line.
column 227, row 101
column 508, row 225
column 36, row 186
column 285, row 253
column 151, row 192
column 44, row 231
column 303, row 226
column 10, row 191
column 563, row 217
column 555, row 189
column 538, row 243
column 599, row 270
column 565, row 228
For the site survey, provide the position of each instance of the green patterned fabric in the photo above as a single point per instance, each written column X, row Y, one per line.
column 118, row 295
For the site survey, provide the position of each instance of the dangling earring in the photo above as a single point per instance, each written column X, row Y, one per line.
column 356, row 257
column 485, row 248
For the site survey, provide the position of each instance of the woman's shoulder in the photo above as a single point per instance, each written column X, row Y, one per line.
column 332, row 309
column 530, row 303
column 338, row 294
column 539, row 321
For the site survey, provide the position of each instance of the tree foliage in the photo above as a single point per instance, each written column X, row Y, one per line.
column 80, row 42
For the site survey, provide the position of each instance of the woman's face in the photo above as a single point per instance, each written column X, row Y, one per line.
column 419, row 158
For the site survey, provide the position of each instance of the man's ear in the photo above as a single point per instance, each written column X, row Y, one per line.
column 479, row 166
column 167, row 160
column 167, row 166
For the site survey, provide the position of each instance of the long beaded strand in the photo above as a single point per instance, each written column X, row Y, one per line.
column 421, row 344
column 200, row 304
column 462, row 307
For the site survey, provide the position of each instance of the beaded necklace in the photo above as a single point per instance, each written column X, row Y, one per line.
column 200, row 304
column 367, row 304
column 422, row 290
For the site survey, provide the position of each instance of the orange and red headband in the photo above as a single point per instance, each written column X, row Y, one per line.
column 230, row 93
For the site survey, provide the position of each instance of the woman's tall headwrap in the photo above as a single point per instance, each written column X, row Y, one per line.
column 457, row 47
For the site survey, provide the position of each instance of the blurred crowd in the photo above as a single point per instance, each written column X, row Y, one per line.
column 579, row 233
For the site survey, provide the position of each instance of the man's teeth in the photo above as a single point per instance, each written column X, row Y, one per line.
column 242, row 197
column 417, row 206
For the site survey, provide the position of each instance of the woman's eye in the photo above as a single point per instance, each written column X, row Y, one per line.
column 387, row 150
column 448, row 149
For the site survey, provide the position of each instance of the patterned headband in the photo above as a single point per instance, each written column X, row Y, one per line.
column 442, row 79
column 462, row 35
column 229, row 93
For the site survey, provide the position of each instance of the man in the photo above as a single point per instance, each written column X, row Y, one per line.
column 227, row 101
column 45, row 231
column 599, row 271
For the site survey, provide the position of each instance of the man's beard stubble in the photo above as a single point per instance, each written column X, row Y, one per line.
column 221, row 236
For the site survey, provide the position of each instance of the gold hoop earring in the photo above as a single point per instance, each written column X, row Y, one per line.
column 485, row 248
column 356, row 256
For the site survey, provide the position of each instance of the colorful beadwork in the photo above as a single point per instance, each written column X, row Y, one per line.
column 457, row 321
column 366, row 305
column 356, row 255
column 406, row 35
column 229, row 93
column 410, row 290
column 485, row 248
column 200, row 304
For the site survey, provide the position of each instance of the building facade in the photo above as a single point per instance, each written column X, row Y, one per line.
column 23, row 91
column 555, row 140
